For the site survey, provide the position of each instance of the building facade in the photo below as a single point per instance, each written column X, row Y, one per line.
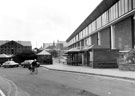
column 111, row 24
column 14, row 47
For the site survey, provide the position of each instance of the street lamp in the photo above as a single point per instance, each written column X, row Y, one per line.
column 59, row 54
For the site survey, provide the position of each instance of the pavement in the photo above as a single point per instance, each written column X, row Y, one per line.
column 107, row 72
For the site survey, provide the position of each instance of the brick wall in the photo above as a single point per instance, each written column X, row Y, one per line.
column 123, row 37
column 94, row 39
column 105, row 37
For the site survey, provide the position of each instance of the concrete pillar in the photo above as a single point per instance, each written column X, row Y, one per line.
column 80, row 45
column 90, row 41
column 82, row 58
column 99, row 38
column 113, row 37
column 133, row 32
column 77, row 59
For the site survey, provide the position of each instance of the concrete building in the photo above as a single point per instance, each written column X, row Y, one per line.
column 45, row 45
column 14, row 47
column 60, row 44
column 111, row 24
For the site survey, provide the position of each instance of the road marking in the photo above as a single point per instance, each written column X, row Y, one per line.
column 2, row 93
column 13, row 87
column 109, row 93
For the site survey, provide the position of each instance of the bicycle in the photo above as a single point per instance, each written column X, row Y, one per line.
column 33, row 69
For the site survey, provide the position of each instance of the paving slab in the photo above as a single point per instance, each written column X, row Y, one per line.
column 109, row 72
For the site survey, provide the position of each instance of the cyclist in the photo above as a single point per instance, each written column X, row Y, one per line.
column 34, row 66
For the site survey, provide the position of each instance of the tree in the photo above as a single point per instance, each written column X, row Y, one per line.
column 53, row 53
column 130, row 57
column 25, row 55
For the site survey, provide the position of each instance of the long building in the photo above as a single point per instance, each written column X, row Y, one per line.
column 111, row 24
column 14, row 47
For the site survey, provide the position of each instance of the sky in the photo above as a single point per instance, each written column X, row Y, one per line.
column 42, row 21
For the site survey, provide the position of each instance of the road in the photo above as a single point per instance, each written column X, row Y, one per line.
column 57, row 83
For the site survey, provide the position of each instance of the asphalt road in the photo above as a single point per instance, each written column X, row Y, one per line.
column 57, row 83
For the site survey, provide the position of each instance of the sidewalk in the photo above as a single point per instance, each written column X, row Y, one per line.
column 115, row 73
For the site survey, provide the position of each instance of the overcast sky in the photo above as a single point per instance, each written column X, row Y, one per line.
column 41, row 21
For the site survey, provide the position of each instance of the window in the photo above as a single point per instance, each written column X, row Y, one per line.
column 116, row 10
column 122, row 6
column 113, row 12
column 78, row 37
column 85, row 42
column 126, row 6
column 120, row 12
column 130, row 4
column 109, row 15
column 93, row 25
column 86, row 31
column 89, row 28
column 83, row 33
column 89, row 41
column 99, row 23
column 133, row 3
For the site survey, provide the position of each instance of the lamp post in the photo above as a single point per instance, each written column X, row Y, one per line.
column 59, row 54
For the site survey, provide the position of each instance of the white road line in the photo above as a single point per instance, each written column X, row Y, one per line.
column 1, row 93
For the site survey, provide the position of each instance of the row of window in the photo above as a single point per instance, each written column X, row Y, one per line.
column 13, row 47
column 8, row 50
column 7, row 53
column 117, row 10
column 82, row 43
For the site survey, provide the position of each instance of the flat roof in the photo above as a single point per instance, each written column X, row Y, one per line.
column 98, row 11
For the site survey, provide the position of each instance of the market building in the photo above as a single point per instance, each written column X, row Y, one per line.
column 14, row 47
column 111, row 24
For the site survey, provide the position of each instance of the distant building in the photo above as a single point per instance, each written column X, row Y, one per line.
column 60, row 45
column 14, row 47
column 45, row 45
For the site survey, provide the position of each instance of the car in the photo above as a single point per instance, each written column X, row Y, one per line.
column 26, row 63
column 10, row 64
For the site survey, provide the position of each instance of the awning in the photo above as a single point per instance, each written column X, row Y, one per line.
column 90, row 47
column 86, row 48
column 73, row 50
column 5, row 56
column 44, row 53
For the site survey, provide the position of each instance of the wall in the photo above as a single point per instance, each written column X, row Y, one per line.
column 123, row 34
column 94, row 39
column 105, row 37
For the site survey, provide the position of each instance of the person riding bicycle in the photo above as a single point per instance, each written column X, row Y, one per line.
column 34, row 65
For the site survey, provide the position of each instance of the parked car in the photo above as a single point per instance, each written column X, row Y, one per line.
column 10, row 64
column 26, row 63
